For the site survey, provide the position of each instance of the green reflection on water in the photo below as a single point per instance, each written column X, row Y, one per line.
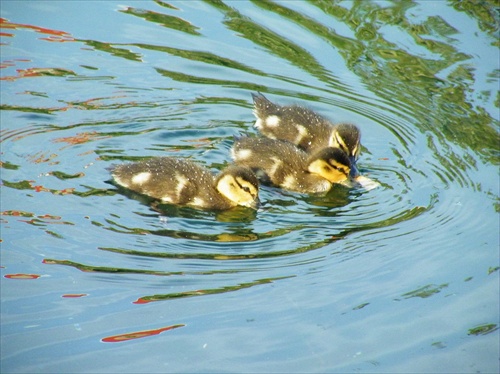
column 208, row 291
column 118, row 52
column 493, row 269
column 189, row 78
column 222, row 256
column 63, row 176
column 484, row 12
column 413, row 78
column 351, row 49
column 165, row 20
column 202, row 56
column 483, row 329
column 247, row 235
column 115, row 270
column 271, row 41
column 360, row 306
column 27, row 109
column 425, row 291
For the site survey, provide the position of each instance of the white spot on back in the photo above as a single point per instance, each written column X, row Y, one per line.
column 272, row 121
column 258, row 123
column 289, row 182
column 198, row 202
column 141, row 178
column 276, row 165
column 241, row 154
column 324, row 186
column 167, row 199
column 120, row 181
column 302, row 133
column 181, row 183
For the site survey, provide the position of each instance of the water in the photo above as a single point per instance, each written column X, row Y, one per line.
column 402, row 278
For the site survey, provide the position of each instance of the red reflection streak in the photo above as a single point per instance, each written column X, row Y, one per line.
column 33, row 72
column 66, row 191
column 22, row 276
column 74, row 295
column 49, row 216
column 80, row 138
column 57, row 39
column 138, row 334
column 16, row 213
column 143, row 301
column 40, row 189
column 5, row 24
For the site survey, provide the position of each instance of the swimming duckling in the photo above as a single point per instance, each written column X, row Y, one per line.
column 306, row 128
column 283, row 164
column 182, row 182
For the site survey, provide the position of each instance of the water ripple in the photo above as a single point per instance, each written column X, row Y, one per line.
column 429, row 140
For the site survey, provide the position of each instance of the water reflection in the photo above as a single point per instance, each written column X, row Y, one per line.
column 201, row 292
column 418, row 80
column 138, row 334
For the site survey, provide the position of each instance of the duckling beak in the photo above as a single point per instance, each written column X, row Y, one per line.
column 354, row 168
column 255, row 204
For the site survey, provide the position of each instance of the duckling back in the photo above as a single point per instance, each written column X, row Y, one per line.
column 304, row 127
column 279, row 163
column 182, row 182
column 298, row 125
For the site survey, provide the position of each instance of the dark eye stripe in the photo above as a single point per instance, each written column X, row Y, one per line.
column 244, row 188
column 342, row 170
column 343, row 145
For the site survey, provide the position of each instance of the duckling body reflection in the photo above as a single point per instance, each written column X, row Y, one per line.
column 282, row 164
column 305, row 128
column 182, row 182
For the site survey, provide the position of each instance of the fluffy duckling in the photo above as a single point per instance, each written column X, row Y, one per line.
column 305, row 128
column 283, row 164
column 182, row 182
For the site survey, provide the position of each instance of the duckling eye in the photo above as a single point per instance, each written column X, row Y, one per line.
column 340, row 169
column 246, row 189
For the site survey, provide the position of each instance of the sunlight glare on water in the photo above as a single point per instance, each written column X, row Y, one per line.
column 399, row 278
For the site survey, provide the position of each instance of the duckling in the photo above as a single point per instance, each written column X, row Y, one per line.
column 306, row 128
column 182, row 182
column 283, row 164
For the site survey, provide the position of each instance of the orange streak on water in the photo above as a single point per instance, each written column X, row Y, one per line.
column 138, row 334
column 22, row 276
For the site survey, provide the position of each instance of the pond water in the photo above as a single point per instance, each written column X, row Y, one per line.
column 401, row 278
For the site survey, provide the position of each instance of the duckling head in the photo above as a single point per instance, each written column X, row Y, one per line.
column 239, row 185
column 333, row 164
column 347, row 137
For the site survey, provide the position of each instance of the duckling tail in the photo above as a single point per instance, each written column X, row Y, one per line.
column 240, row 136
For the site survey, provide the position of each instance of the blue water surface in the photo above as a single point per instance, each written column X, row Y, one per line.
column 403, row 278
